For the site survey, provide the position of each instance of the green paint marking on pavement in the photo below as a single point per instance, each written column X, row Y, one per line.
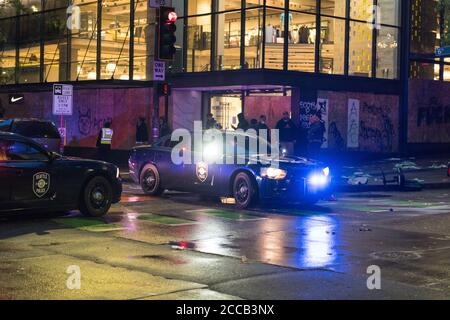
column 229, row 215
column 92, row 225
column 165, row 220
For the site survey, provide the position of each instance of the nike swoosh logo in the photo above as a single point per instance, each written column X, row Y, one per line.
column 16, row 99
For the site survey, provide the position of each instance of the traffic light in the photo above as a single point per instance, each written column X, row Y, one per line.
column 164, row 89
column 167, row 28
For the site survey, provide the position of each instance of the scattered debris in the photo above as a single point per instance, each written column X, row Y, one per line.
column 438, row 166
column 182, row 245
column 365, row 228
column 407, row 165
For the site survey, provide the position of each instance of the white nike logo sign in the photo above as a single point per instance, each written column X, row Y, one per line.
column 16, row 99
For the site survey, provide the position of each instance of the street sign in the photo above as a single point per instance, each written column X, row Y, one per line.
column 443, row 52
column 159, row 71
column 62, row 100
column 159, row 3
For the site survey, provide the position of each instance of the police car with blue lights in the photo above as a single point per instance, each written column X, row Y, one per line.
column 34, row 179
column 248, row 181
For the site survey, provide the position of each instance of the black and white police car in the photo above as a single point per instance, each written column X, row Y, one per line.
column 34, row 179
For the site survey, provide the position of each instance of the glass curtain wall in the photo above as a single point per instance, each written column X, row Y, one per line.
column 297, row 35
column 430, row 23
column 114, row 40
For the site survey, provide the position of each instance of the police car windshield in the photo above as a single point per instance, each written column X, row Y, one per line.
column 36, row 129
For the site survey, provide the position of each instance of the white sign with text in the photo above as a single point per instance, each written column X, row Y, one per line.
column 159, row 71
column 62, row 100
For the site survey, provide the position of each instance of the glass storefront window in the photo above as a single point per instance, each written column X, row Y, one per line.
column 228, row 42
column 55, row 46
column 274, row 42
column 332, row 46
column 303, row 5
column 360, row 49
column 254, row 38
column 83, row 50
column 334, row 8
column 7, row 51
column 302, row 41
column 424, row 70
column 425, row 37
column 446, row 72
column 387, row 53
column 199, row 44
column 198, row 7
column 390, row 12
column 275, row 3
column 361, row 10
column 29, row 49
column 115, row 36
column 143, row 48
column 225, row 109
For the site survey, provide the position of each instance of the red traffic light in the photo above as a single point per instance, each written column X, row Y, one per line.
column 172, row 17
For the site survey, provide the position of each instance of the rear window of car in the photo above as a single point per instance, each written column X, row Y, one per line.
column 36, row 130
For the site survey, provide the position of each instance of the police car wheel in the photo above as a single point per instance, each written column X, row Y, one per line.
column 96, row 198
column 244, row 191
column 151, row 181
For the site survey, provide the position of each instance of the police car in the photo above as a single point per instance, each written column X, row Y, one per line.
column 34, row 179
column 292, row 179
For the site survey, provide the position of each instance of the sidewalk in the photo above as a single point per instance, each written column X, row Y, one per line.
column 429, row 173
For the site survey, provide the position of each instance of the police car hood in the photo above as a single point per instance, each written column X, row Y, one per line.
column 287, row 162
column 86, row 161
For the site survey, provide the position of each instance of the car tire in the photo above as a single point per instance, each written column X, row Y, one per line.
column 151, row 181
column 96, row 198
column 244, row 191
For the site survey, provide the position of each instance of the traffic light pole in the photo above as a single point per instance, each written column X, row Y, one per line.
column 155, row 122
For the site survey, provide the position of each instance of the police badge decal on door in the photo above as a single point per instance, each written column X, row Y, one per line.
column 41, row 184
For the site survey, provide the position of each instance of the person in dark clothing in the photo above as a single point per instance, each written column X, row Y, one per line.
column 262, row 124
column 104, row 141
column 243, row 123
column 211, row 123
column 164, row 127
column 315, row 135
column 254, row 124
column 142, row 136
column 287, row 130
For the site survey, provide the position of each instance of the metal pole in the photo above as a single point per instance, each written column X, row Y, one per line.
column 155, row 117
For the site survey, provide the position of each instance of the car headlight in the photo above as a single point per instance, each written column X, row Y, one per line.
column 318, row 180
column 211, row 152
column 273, row 173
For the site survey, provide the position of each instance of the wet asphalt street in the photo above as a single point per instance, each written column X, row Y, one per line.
column 182, row 246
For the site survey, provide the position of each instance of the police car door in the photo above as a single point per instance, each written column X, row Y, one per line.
column 6, row 177
column 33, row 185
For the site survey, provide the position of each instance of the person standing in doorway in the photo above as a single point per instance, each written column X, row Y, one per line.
column 104, row 141
column 142, row 136
column 243, row 123
column 211, row 123
column 287, row 130
column 316, row 134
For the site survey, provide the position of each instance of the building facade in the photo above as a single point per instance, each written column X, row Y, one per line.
column 363, row 63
